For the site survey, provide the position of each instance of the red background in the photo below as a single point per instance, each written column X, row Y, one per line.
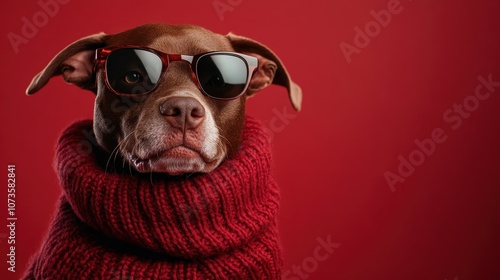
column 442, row 222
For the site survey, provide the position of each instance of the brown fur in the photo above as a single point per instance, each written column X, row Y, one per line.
column 117, row 117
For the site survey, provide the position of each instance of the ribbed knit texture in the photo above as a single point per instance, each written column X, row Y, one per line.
column 219, row 225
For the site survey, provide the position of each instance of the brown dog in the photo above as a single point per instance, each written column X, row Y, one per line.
column 176, row 128
column 170, row 99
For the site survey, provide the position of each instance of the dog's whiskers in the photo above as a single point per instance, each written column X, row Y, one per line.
column 129, row 165
column 116, row 151
column 221, row 145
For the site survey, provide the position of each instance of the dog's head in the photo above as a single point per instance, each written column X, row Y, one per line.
column 179, row 113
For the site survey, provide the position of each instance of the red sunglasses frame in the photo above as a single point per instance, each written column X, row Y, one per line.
column 102, row 54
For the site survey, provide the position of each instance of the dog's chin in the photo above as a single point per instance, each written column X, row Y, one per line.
column 175, row 161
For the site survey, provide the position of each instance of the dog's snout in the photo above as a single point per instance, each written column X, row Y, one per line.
column 183, row 112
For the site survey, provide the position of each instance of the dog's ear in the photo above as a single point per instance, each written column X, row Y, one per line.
column 270, row 70
column 75, row 63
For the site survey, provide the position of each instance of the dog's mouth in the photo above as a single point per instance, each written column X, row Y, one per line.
column 173, row 161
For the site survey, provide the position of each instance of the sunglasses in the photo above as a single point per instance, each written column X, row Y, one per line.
column 130, row 70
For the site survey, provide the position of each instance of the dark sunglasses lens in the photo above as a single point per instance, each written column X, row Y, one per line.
column 133, row 71
column 222, row 75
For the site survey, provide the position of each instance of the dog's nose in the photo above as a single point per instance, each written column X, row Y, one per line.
column 183, row 112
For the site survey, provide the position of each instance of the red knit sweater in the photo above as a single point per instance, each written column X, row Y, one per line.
column 220, row 225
